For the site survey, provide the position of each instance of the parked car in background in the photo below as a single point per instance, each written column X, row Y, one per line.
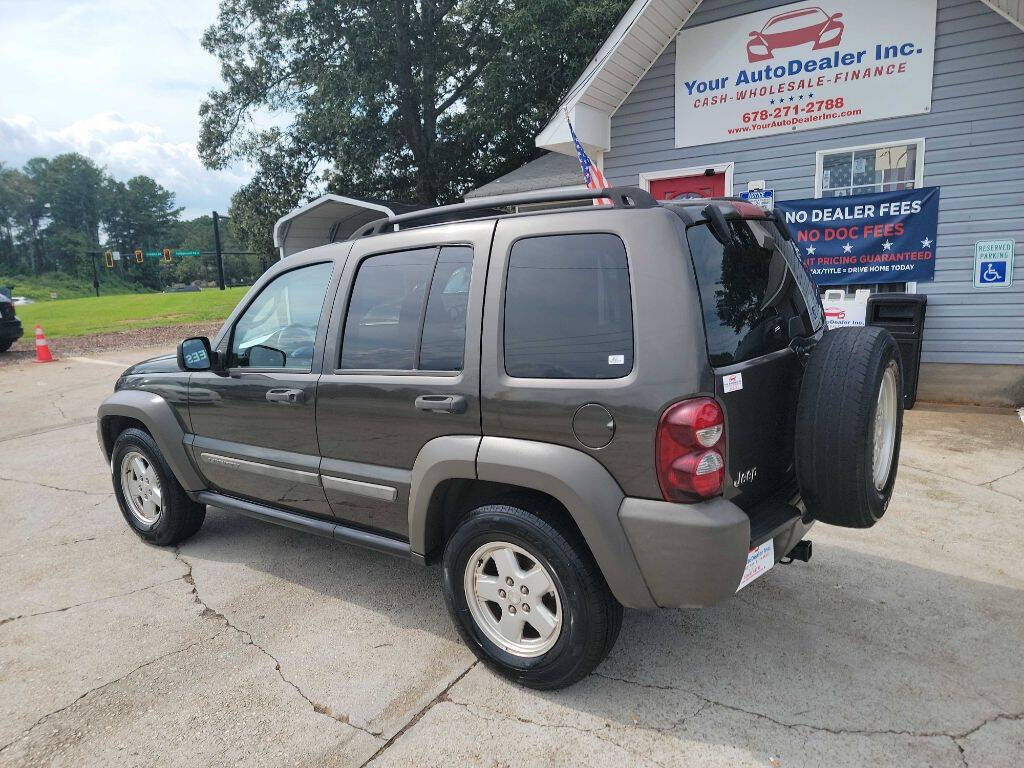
column 10, row 325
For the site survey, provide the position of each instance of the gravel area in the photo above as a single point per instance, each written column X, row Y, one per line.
column 25, row 348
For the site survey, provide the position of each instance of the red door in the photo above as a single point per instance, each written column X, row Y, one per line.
column 689, row 186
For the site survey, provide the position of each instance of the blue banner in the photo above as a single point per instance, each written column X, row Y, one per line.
column 887, row 237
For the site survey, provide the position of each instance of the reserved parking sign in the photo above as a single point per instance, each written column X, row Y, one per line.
column 993, row 264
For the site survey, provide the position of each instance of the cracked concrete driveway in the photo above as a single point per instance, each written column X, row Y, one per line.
column 264, row 646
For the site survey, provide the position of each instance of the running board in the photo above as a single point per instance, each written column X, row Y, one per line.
column 312, row 525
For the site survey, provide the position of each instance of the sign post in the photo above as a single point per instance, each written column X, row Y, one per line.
column 762, row 198
column 216, row 246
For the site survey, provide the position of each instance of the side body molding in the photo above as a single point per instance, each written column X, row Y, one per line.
column 586, row 490
column 443, row 458
column 159, row 418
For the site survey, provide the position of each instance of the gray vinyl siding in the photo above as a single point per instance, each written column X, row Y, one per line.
column 974, row 151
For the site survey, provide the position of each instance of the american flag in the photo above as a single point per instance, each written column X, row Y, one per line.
column 591, row 173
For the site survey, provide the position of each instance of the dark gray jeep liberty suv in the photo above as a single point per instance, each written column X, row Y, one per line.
column 572, row 409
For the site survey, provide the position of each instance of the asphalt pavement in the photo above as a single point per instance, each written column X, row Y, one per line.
column 258, row 645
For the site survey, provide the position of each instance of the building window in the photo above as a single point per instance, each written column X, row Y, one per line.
column 867, row 169
column 873, row 168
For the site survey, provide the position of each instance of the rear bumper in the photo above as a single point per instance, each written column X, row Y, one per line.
column 11, row 330
column 693, row 555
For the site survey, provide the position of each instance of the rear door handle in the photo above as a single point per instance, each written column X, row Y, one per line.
column 286, row 396
column 441, row 403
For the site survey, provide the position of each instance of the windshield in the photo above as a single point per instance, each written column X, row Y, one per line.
column 750, row 290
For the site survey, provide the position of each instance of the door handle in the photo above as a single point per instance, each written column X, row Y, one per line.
column 441, row 403
column 286, row 396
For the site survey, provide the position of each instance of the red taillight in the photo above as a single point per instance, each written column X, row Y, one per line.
column 691, row 450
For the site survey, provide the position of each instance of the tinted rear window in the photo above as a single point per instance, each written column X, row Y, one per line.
column 568, row 313
column 741, row 321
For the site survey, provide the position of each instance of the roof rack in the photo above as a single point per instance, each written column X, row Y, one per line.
column 621, row 197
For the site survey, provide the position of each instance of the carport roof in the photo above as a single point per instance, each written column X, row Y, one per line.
column 330, row 219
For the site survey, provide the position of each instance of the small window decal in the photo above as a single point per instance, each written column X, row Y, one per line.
column 616, row 359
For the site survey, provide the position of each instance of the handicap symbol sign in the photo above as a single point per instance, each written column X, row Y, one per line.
column 993, row 264
column 992, row 272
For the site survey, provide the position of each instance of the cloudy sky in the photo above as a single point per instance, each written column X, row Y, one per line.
column 118, row 80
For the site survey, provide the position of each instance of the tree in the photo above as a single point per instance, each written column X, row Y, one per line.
column 139, row 214
column 13, row 199
column 70, row 186
column 197, row 234
column 404, row 99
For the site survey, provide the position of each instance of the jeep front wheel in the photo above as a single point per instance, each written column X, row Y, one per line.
column 526, row 595
column 151, row 499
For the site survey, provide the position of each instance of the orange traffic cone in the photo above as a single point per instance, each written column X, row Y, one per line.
column 42, row 348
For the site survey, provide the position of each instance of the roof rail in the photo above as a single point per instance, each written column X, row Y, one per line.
column 621, row 197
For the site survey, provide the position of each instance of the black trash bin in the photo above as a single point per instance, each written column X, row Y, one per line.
column 902, row 314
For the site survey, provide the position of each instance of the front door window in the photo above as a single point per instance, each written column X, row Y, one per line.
column 278, row 329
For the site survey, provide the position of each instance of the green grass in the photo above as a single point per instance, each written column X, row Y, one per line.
column 76, row 317
column 39, row 287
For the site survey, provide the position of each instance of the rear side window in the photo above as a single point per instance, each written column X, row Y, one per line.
column 746, row 315
column 444, row 325
column 568, row 312
column 408, row 311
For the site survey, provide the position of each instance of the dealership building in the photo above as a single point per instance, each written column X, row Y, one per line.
column 849, row 98
column 860, row 102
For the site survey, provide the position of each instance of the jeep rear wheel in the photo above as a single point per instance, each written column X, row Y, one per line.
column 849, row 426
column 526, row 595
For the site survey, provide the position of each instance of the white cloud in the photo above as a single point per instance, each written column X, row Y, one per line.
column 125, row 148
column 118, row 80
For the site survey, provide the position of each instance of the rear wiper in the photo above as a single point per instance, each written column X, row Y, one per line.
column 719, row 226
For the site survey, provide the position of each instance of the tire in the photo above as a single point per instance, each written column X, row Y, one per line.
column 588, row 615
column 841, row 481
column 5, row 344
column 176, row 517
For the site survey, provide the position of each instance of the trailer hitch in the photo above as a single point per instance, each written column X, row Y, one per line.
column 802, row 552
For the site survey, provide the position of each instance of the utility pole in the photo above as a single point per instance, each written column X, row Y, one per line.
column 95, row 277
column 216, row 247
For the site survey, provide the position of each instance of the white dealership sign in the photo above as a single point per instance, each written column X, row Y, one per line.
column 803, row 66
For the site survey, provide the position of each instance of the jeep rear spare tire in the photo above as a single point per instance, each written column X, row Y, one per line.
column 849, row 425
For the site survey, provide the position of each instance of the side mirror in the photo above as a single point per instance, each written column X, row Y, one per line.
column 194, row 354
column 261, row 356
